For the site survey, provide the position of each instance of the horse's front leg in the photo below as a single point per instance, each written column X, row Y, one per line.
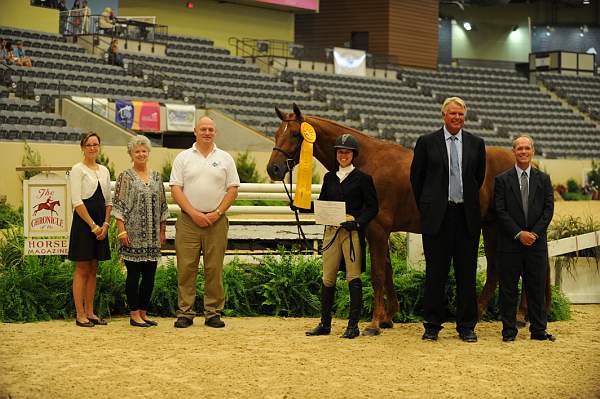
column 392, row 306
column 492, row 274
column 378, row 244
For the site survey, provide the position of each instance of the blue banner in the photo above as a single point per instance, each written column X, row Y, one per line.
column 124, row 113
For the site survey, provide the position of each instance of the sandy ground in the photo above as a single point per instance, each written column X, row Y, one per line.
column 267, row 357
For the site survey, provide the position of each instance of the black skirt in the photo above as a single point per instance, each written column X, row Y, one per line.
column 83, row 245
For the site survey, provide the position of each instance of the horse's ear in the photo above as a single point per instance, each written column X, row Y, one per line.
column 297, row 112
column 279, row 114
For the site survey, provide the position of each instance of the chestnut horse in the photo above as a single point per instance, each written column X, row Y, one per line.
column 389, row 165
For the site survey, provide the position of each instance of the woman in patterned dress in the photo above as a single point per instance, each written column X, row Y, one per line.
column 140, row 207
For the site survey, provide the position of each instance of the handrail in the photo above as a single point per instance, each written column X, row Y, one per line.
column 273, row 49
column 248, row 48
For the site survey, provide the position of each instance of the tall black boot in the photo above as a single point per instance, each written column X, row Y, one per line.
column 355, row 288
column 324, row 327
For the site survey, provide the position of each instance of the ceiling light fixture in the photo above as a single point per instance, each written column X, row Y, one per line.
column 467, row 25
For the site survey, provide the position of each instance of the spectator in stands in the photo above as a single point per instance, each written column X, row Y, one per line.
column 62, row 8
column 85, row 21
column 140, row 207
column 446, row 173
column 106, row 22
column 345, row 244
column 114, row 57
column 88, row 243
column 20, row 55
column 523, row 215
column 4, row 59
column 75, row 17
column 9, row 55
column 204, row 183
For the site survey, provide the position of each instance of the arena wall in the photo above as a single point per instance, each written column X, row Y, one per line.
column 216, row 20
column 21, row 14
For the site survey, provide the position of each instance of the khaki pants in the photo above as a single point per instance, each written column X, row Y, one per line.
column 190, row 241
column 333, row 255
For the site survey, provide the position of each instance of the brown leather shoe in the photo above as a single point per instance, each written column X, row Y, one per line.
column 214, row 322
column 183, row 322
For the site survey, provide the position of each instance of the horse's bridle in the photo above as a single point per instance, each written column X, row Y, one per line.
column 289, row 157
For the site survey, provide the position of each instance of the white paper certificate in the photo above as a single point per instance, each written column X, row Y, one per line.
column 330, row 213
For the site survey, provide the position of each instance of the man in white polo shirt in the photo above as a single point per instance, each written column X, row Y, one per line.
column 204, row 183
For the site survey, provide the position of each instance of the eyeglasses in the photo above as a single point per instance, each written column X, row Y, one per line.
column 92, row 145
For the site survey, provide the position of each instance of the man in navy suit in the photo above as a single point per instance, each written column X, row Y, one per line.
column 446, row 174
column 524, row 203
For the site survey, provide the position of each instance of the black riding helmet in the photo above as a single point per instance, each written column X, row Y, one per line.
column 348, row 142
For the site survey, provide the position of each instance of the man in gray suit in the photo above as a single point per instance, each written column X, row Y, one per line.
column 524, row 203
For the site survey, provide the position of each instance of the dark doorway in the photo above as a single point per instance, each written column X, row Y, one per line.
column 359, row 41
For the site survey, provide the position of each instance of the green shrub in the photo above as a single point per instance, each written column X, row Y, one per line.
column 165, row 170
column 576, row 196
column 560, row 308
column 573, row 186
column 9, row 215
column 246, row 167
column 286, row 284
column 104, row 160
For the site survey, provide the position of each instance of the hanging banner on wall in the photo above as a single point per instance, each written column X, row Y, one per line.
column 95, row 104
column 146, row 115
column 124, row 113
column 138, row 115
column 47, row 215
column 349, row 61
column 181, row 118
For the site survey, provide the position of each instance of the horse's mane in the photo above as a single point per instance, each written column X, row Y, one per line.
column 365, row 136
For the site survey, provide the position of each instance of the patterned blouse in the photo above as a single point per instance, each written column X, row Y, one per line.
column 142, row 207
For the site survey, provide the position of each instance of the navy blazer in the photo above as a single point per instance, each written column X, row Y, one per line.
column 429, row 179
column 511, row 216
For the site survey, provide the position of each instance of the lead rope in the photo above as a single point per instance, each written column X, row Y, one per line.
column 301, row 236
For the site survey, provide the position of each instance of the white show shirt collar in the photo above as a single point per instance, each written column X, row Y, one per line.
column 342, row 173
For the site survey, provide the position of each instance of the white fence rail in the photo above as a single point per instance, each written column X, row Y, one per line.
column 254, row 191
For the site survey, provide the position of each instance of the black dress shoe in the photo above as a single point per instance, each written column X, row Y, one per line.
column 98, row 322
column 351, row 332
column 84, row 323
column 214, row 322
column 138, row 324
column 543, row 337
column 151, row 322
column 321, row 329
column 468, row 336
column 183, row 322
column 430, row 335
column 509, row 338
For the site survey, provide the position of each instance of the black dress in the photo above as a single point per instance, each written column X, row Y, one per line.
column 83, row 245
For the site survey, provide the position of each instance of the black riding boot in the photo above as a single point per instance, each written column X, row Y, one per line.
column 355, row 288
column 324, row 327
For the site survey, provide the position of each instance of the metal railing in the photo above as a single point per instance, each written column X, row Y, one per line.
column 271, row 51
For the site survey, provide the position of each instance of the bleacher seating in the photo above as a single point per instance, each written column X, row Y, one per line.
column 580, row 91
column 386, row 108
column 501, row 102
column 505, row 100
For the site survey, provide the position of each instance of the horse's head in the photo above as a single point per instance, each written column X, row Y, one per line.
column 288, row 140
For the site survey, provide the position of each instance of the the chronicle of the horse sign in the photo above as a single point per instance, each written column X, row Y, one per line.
column 47, row 213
